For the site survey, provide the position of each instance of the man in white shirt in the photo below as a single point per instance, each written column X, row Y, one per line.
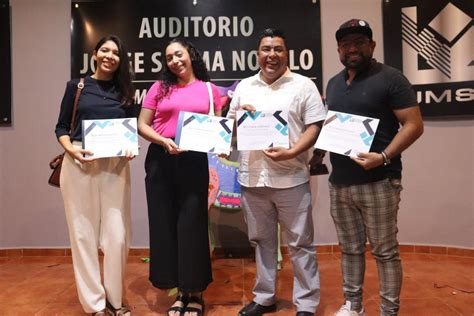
column 275, row 182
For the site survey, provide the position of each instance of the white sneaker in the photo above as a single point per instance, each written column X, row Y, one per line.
column 345, row 310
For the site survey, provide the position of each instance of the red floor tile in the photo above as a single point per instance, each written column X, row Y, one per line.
column 45, row 286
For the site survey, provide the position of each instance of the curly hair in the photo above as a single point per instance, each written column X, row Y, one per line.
column 124, row 75
column 168, row 78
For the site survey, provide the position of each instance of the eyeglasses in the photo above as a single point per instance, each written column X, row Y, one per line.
column 357, row 43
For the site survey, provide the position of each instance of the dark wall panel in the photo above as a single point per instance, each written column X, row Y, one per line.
column 5, row 64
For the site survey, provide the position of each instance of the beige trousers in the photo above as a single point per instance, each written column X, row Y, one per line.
column 97, row 203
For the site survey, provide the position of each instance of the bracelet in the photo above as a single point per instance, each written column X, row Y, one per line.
column 386, row 160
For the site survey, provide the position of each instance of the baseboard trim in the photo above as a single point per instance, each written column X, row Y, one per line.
column 242, row 252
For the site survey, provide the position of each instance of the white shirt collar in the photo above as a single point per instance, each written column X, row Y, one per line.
column 286, row 74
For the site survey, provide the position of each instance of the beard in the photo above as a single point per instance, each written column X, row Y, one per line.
column 356, row 64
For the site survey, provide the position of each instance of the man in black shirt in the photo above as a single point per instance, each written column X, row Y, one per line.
column 365, row 190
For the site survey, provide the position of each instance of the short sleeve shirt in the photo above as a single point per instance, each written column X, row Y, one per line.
column 193, row 97
column 375, row 92
column 293, row 93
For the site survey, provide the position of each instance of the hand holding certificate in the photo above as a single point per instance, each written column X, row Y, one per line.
column 347, row 134
column 110, row 138
column 261, row 130
column 204, row 133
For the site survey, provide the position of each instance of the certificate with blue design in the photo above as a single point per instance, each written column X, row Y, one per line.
column 204, row 133
column 261, row 130
column 110, row 138
column 347, row 134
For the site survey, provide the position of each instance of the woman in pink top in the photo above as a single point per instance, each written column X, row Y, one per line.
column 177, row 181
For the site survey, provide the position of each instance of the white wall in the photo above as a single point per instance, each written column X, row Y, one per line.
column 437, row 203
column 40, row 55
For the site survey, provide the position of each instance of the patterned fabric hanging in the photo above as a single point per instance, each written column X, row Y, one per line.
column 224, row 190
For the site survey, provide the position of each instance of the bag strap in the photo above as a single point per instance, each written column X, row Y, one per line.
column 211, row 98
column 80, row 86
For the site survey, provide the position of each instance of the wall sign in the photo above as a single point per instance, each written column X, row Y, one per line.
column 431, row 41
column 226, row 32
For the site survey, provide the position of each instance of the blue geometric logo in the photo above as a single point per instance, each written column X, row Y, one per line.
column 103, row 124
column 225, row 136
column 343, row 118
column 131, row 136
column 367, row 139
column 283, row 129
column 254, row 116
column 200, row 118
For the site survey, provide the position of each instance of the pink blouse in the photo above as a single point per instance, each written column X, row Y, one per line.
column 193, row 97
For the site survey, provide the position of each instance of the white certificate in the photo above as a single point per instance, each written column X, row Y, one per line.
column 110, row 138
column 262, row 130
column 204, row 133
column 347, row 134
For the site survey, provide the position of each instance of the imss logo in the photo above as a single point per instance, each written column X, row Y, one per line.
column 440, row 52
column 436, row 48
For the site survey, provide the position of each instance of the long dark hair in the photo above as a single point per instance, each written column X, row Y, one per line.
column 169, row 79
column 123, row 75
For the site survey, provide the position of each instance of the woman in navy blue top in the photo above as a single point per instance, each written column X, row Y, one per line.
column 96, row 192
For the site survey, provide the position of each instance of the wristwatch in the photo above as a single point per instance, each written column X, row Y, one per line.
column 386, row 160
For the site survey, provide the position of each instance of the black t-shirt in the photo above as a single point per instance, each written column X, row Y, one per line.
column 375, row 92
column 98, row 100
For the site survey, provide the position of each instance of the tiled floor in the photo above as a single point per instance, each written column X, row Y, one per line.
column 45, row 286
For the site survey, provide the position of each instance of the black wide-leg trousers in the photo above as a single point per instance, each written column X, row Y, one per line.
column 177, row 189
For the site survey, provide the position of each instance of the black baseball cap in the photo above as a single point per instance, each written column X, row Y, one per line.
column 354, row 26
